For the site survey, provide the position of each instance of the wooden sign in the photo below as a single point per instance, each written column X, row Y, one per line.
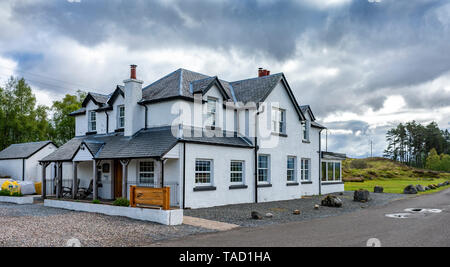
column 150, row 196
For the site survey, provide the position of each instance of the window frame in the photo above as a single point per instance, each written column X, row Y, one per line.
column 90, row 122
column 210, row 114
column 278, row 113
column 211, row 172
column 242, row 172
column 306, row 128
column 325, row 175
column 268, row 169
column 294, row 169
column 119, row 117
column 303, row 170
column 146, row 172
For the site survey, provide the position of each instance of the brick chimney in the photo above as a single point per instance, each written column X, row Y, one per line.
column 263, row 72
column 133, row 111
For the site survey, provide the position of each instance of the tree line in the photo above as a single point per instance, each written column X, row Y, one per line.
column 412, row 143
column 21, row 120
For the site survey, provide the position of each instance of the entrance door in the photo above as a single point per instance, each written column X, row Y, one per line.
column 117, row 179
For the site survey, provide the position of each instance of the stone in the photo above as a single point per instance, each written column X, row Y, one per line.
column 410, row 189
column 426, row 188
column 441, row 185
column 316, row 207
column 331, row 201
column 431, row 186
column 419, row 188
column 361, row 195
column 269, row 215
column 256, row 215
column 378, row 189
column 296, row 212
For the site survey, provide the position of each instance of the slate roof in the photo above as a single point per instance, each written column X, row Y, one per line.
column 256, row 89
column 215, row 137
column 150, row 143
column 23, row 150
column 333, row 155
column 100, row 98
column 317, row 125
column 78, row 112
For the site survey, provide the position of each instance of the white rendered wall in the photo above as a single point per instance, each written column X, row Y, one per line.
column 33, row 171
column 221, row 157
column 11, row 167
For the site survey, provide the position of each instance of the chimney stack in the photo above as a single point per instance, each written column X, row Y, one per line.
column 263, row 72
column 133, row 72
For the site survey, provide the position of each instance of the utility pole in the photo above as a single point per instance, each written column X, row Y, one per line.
column 371, row 144
column 326, row 140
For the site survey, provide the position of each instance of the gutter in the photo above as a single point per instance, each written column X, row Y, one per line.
column 184, row 175
column 320, row 162
column 107, row 122
column 23, row 169
column 256, row 152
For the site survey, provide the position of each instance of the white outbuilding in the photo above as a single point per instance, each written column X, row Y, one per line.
column 20, row 162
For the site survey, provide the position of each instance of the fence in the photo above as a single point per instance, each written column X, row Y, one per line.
column 150, row 196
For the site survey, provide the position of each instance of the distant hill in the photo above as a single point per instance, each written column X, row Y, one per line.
column 359, row 170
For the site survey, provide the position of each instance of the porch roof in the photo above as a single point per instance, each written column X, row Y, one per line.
column 150, row 143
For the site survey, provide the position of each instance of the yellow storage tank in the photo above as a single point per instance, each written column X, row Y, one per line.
column 11, row 186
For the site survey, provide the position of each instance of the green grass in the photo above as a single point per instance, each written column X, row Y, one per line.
column 392, row 176
column 394, row 185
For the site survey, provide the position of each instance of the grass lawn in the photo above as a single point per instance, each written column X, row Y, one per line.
column 395, row 185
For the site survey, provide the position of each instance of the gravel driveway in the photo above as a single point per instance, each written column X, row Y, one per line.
column 282, row 210
column 36, row 225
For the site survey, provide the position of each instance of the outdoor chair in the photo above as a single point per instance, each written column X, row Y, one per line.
column 83, row 193
column 67, row 191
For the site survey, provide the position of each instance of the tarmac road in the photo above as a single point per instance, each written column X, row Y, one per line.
column 352, row 229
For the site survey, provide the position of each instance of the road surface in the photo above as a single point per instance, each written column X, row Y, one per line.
column 354, row 229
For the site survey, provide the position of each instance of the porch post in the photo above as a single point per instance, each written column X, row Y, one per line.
column 95, row 182
column 75, row 180
column 44, row 183
column 125, row 163
column 162, row 173
column 59, row 180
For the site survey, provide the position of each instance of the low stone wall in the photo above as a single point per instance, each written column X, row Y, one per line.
column 167, row 217
column 19, row 200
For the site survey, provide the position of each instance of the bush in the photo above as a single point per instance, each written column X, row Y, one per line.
column 121, row 202
column 358, row 164
column 95, row 201
column 17, row 194
column 5, row 193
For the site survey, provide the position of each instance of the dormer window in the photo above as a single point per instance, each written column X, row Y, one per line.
column 92, row 121
column 120, row 116
column 278, row 120
column 306, row 125
column 211, row 113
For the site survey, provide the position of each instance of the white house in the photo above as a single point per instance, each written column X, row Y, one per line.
column 21, row 161
column 213, row 142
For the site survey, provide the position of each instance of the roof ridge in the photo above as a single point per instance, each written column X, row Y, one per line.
column 267, row 76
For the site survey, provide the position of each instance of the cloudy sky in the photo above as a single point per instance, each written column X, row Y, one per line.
column 362, row 65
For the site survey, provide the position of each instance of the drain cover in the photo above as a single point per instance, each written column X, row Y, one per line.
column 399, row 215
column 416, row 210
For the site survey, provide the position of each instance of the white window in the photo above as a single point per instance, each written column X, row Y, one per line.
column 147, row 173
column 291, row 162
column 120, row 116
column 306, row 125
column 278, row 120
column 306, row 170
column 331, row 171
column 92, row 121
column 237, row 172
column 263, row 168
column 211, row 112
column 203, row 172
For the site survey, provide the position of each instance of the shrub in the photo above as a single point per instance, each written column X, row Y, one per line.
column 121, row 202
column 17, row 194
column 95, row 201
column 5, row 193
column 358, row 164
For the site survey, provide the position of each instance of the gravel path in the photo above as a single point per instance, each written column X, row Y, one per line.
column 282, row 210
column 36, row 225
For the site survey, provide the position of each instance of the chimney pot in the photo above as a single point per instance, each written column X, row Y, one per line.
column 133, row 72
column 263, row 72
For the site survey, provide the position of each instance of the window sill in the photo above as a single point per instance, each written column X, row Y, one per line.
column 306, row 141
column 120, row 130
column 307, row 182
column 241, row 186
column 265, row 185
column 332, row 183
column 204, row 188
column 292, row 184
column 279, row 134
column 91, row 133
